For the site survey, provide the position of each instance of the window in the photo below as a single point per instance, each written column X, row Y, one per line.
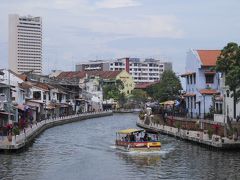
column 227, row 93
column 209, row 78
column 37, row 95
column 194, row 78
column 195, row 102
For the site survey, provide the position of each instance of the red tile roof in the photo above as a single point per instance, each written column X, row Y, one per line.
column 189, row 95
column 208, row 91
column 144, row 85
column 208, row 57
column 82, row 74
column 71, row 74
column 42, row 86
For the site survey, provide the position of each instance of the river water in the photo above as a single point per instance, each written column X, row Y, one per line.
column 85, row 150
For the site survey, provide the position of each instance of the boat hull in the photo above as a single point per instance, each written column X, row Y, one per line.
column 138, row 146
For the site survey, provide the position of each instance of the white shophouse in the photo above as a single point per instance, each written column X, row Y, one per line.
column 202, row 82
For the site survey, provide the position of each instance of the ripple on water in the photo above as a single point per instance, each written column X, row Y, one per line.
column 85, row 150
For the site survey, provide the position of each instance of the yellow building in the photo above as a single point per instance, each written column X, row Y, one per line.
column 127, row 80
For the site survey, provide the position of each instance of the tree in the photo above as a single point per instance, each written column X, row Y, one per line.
column 113, row 90
column 139, row 95
column 168, row 88
column 229, row 64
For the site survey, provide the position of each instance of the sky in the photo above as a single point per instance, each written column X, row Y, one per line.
column 76, row 31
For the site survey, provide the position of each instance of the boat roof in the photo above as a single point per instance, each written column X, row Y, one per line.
column 128, row 131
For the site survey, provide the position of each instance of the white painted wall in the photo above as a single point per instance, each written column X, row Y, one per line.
column 193, row 64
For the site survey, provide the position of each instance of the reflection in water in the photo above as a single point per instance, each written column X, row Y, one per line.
column 84, row 150
column 141, row 160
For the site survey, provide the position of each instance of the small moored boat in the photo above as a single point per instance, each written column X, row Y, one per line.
column 137, row 140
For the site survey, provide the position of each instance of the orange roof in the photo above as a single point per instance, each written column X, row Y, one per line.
column 208, row 57
column 208, row 91
column 42, row 86
column 71, row 74
column 189, row 95
column 82, row 74
column 144, row 85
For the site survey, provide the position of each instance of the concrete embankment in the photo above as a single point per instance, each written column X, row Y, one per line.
column 199, row 137
column 25, row 138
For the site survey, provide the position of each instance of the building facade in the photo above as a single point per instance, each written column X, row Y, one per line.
column 97, row 65
column 146, row 70
column 25, row 44
column 202, row 82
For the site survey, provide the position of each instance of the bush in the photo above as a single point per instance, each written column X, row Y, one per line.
column 16, row 131
column 210, row 132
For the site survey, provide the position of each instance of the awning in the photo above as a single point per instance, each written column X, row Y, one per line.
column 187, row 74
column 5, row 113
column 50, row 107
column 22, row 107
column 128, row 131
column 209, row 72
column 167, row 102
column 189, row 95
column 208, row 91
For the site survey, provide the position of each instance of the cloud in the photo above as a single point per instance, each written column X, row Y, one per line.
column 117, row 3
column 141, row 26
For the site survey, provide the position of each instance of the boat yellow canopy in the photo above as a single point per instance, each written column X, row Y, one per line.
column 129, row 131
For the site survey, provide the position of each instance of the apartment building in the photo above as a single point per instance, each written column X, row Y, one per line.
column 25, row 44
column 142, row 70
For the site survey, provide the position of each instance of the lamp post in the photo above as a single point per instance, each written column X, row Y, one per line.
column 45, row 110
column 204, row 106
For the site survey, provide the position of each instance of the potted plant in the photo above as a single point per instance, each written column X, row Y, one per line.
column 210, row 133
column 178, row 125
column 16, row 131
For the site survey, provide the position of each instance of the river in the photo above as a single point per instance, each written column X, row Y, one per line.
column 85, row 150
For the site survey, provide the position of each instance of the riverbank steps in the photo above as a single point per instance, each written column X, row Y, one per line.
column 200, row 137
column 19, row 142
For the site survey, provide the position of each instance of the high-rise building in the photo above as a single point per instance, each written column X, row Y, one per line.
column 142, row 70
column 25, row 44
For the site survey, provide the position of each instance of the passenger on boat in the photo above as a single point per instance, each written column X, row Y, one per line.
column 145, row 138
column 127, row 138
column 132, row 137
column 138, row 138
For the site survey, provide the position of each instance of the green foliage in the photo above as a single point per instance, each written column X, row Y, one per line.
column 16, row 131
column 167, row 89
column 178, row 125
column 113, row 90
column 210, row 132
column 229, row 63
column 141, row 115
column 122, row 99
column 139, row 95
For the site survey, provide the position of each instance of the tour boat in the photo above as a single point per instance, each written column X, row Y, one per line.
column 137, row 140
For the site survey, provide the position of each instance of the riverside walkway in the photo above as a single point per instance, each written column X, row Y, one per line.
column 24, row 138
column 199, row 137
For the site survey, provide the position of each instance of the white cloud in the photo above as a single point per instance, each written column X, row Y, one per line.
column 141, row 26
column 117, row 3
